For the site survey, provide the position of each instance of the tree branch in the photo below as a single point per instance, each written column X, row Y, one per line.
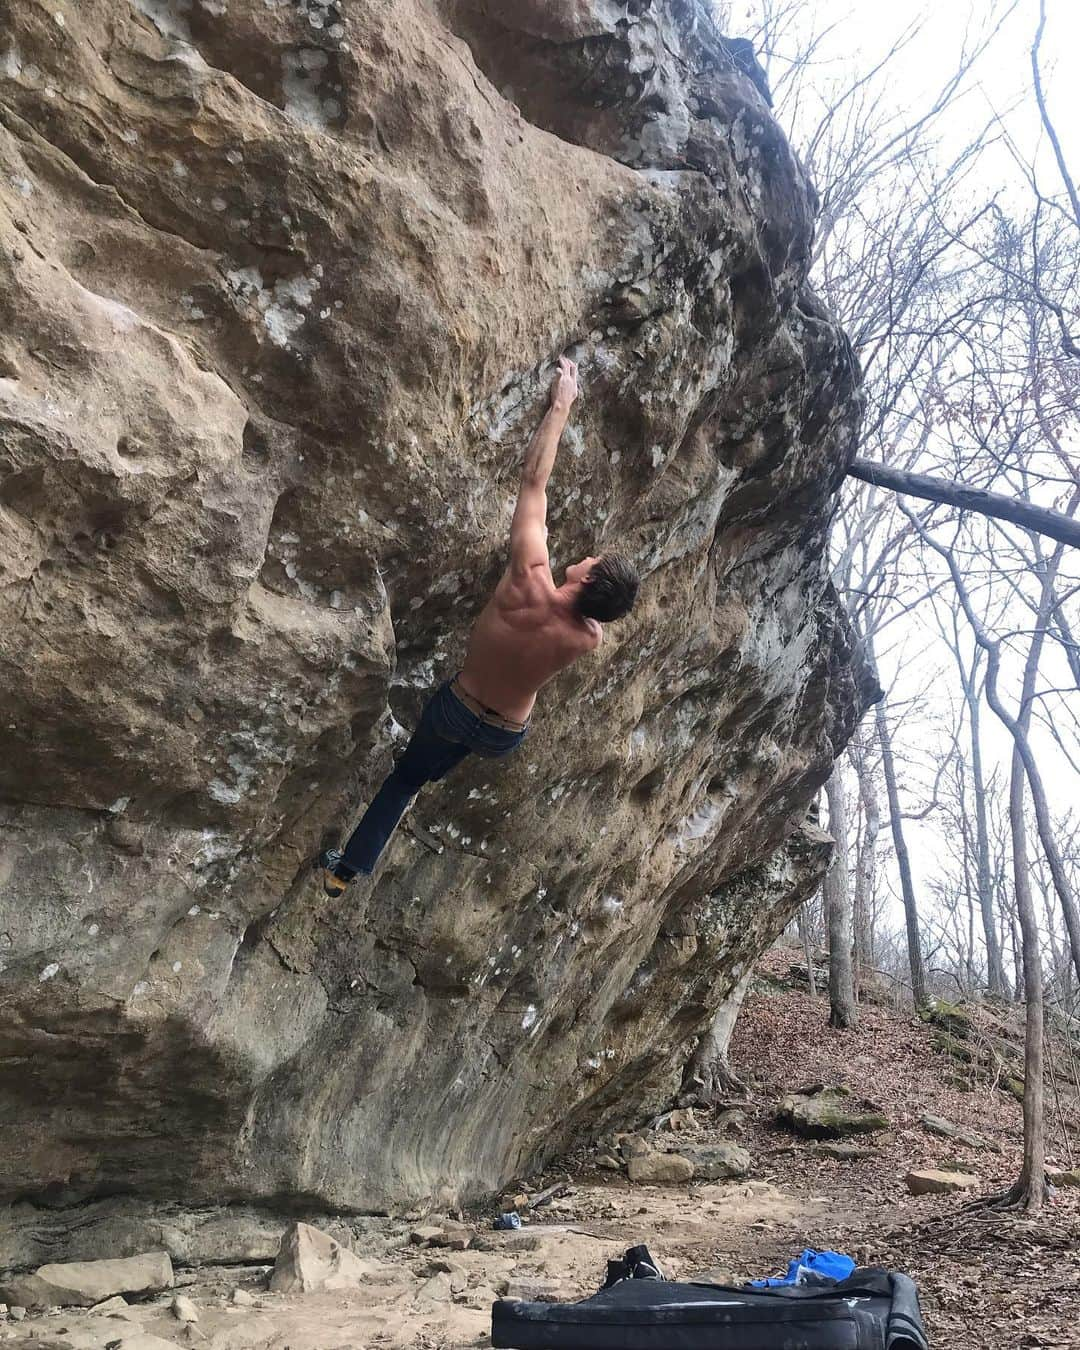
column 1051, row 523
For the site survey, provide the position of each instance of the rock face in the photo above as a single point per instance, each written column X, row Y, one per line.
column 280, row 291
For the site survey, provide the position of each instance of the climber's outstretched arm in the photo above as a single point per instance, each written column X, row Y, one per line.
column 528, row 531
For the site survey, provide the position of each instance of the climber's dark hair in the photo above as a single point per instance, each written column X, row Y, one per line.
column 609, row 591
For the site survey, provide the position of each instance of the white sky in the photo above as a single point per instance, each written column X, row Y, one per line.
column 866, row 29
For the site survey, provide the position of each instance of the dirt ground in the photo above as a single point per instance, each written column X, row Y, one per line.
column 988, row 1281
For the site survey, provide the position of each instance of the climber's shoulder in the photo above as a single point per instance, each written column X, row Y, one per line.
column 528, row 585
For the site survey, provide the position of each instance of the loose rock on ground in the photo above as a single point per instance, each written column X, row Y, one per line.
column 84, row 1283
column 830, row 1113
column 666, row 1168
column 310, row 1260
column 933, row 1181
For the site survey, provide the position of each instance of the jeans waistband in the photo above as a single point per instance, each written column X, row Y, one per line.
column 488, row 715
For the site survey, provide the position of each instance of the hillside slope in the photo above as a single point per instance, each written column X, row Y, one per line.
column 986, row 1279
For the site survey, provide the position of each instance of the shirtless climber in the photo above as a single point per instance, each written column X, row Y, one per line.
column 529, row 630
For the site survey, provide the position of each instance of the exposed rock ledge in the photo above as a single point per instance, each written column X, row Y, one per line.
column 281, row 284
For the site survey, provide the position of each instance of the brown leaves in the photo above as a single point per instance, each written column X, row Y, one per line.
column 986, row 1279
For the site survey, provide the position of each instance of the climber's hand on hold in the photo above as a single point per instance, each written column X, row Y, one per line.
column 564, row 388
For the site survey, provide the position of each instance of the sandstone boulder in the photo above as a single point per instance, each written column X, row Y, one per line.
column 509, row 1240
column 482, row 1297
column 455, row 1236
column 844, row 1152
column 829, row 1113
column 683, row 1118
column 279, row 304
column 722, row 1161
column 633, row 1145
column 310, row 1259
column 667, row 1168
column 930, row 1181
column 184, row 1310
column 83, row 1284
column 535, row 1288
column 947, row 1130
column 457, row 1274
column 108, row 1306
column 436, row 1289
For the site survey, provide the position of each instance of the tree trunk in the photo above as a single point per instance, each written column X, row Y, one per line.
column 837, row 896
column 1048, row 839
column 1018, row 959
column 1053, row 524
column 1047, row 833
column 1048, row 570
column 804, row 933
column 1031, row 1182
column 709, row 1076
column 866, row 868
column 903, row 861
column 995, row 969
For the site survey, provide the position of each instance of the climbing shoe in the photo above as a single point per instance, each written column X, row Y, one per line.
column 332, row 882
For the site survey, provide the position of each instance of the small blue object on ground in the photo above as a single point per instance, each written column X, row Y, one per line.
column 511, row 1220
column 811, row 1267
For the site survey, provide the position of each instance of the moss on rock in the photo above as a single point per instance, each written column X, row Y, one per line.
column 951, row 1017
column 830, row 1113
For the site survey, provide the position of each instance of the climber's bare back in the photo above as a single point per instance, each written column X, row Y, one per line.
column 530, row 628
column 525, row 635
column 528, row 631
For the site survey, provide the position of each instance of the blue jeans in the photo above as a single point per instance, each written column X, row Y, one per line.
column 446, row 733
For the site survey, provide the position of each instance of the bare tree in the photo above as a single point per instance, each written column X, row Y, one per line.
column 961, row 304
column 903, row 861
column 976, row 842
column 837, row 895
column 805, row 928
column 995, row 969
column 1030, row 1186
column 1067, row 179
column 864, row 902
column 708, row 1076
